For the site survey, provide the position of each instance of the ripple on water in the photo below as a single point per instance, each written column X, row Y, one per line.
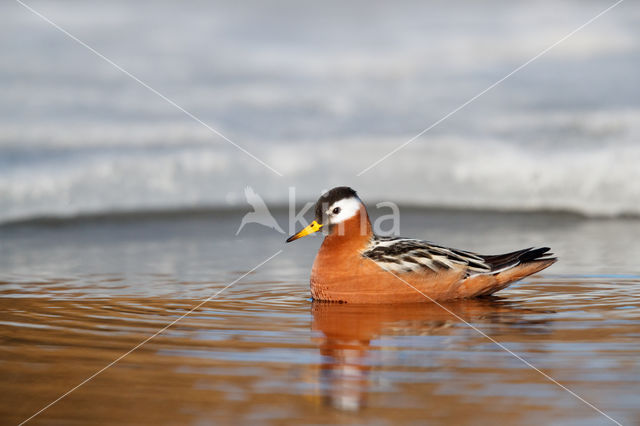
column 262, row 344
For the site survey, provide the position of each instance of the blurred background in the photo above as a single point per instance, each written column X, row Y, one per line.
column 119, row 213
column 319, row 92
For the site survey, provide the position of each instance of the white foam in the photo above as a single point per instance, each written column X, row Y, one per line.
column 445, row 171
column 77, row 136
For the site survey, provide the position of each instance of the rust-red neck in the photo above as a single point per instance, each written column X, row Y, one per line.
column 355, row 230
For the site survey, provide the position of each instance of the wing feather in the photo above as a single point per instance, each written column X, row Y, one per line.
column 411, row 255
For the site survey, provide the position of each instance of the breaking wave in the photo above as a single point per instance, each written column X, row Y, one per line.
column 78, row 137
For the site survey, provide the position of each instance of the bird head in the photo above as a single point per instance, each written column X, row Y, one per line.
column 333, row 208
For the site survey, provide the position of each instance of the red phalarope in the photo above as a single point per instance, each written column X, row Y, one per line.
column 356, row 266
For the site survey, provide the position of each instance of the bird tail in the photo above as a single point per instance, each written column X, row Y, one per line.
column 503, row 262
column 508, row 268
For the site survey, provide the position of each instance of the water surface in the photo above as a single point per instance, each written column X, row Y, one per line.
column 77, row 295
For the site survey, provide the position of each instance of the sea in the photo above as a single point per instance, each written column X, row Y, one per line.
column 137, row 140
column 318, row 93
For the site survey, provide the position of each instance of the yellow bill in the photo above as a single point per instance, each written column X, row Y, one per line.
column 313, row 227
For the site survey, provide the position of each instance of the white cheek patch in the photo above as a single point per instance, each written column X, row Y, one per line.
column 349, row 207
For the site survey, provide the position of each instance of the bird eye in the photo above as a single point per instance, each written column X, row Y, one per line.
column 336, row 210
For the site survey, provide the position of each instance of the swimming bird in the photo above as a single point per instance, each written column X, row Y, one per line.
column 354, row 265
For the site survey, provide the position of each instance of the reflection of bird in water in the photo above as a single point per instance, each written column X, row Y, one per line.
column 260, row 213
column 347, row 330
